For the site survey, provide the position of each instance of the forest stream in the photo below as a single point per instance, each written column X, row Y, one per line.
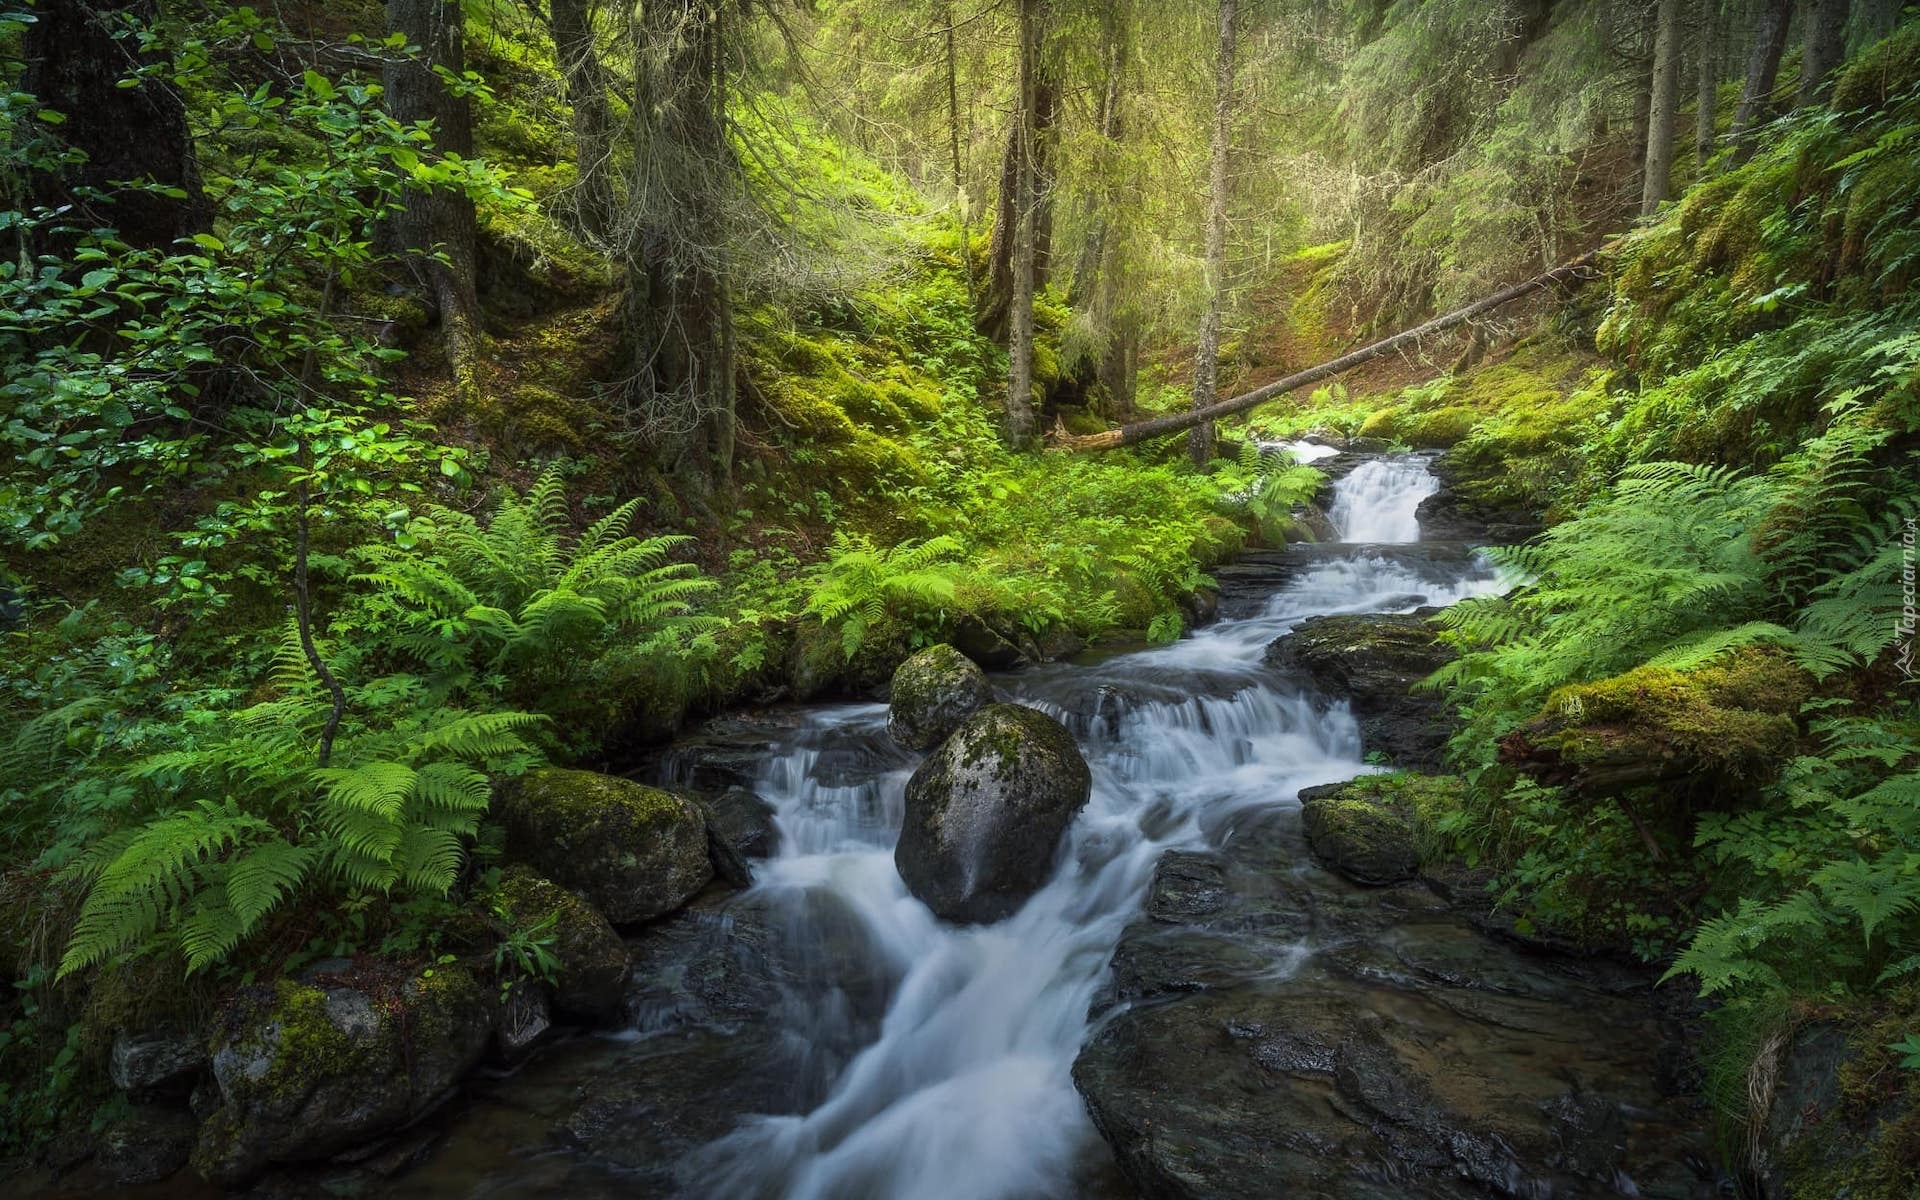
column 821, row 1036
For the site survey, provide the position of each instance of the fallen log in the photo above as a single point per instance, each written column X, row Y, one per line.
column 1140, row 431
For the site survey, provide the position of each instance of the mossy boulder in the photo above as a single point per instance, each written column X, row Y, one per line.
column 818, row 664
column 1441, row 428
column 986, row 812
column 593, row 962
column 933, row 692
column 1730, row 724
column 308, row 1069
column 631, row 851
column 1360, row 833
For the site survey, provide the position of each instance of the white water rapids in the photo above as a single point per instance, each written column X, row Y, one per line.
column 966, row 1092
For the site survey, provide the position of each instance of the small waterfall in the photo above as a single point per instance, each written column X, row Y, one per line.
column 966, row 1090
column 1376, row 502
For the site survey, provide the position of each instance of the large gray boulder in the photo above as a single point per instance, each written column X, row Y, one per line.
column 986, row 811
column 308, row 1069
column 632, row 851
column 933, row 692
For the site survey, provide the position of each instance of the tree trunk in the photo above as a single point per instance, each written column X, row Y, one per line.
column 438, row 225
column 1206, row 362
column 74, row 65
column 1141, row 431
column 587, row 88
column 1707, row 94
column 1763, row 66
column 991, row 318
column 1120, row 367
column 1877, row 19
column 1020, row 419
column 1665, row 102
column 1028, row 147
column 953, row 147
column 1823, row 46
column 678, row 311
column 1086, row 272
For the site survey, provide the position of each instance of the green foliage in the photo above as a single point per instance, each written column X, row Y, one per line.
column 521, row 609
column 123, row 379
column 1823, row 884
column 263, row 822
column 856, row 585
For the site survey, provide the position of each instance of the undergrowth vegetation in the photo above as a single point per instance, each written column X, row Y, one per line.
column 1691, row 726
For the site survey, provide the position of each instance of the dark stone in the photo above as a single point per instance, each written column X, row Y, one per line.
column 156, row 1060
column 932, row 693
column 306, row 1070
column 1363, row 838
column 746, row 821
column 631, row 851
column 1200, row 607
column 986, row 646
column 522, row 1015
column 986, row 812
column 1452, row 514
column 1290, row 1034
column 1373, row 661
column 592, row 961
column 147, row 1145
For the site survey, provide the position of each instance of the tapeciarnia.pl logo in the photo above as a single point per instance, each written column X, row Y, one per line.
column 1909, row 619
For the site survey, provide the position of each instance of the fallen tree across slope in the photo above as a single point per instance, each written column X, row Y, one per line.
column 1140, row 431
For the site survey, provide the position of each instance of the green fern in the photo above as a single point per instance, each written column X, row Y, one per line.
column 407, row 786
column 858, row 584
column 520, row 600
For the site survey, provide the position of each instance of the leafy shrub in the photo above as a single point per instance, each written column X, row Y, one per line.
column 521, row 609
column 266, row 820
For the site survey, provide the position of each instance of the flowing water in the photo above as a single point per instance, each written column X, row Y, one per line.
column 890, row 1056
column 964, row 1091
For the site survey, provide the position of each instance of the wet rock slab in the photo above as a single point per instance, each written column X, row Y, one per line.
column 1373, row 660
column 1270, row 1030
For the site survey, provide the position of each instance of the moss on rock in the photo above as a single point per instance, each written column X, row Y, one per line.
column 986, row 812
column 307, row 1069
column 632, row 851
column 933, row 692
column 593, row 962
column 1732, row 719
column 1378, row 829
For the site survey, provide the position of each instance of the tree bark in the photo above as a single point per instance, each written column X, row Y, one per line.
column 678, row 310
column 1665, row 103
column 1823, row 46
column 1029, row 147
column 74, row 65
column 1763, row 67
column 587, row 87
column 1206, row 361
column 438, row 226
column 953, row 147
column 1128, row 435
column 1020, row 419
column 1707, row 93
column 1877, row 19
